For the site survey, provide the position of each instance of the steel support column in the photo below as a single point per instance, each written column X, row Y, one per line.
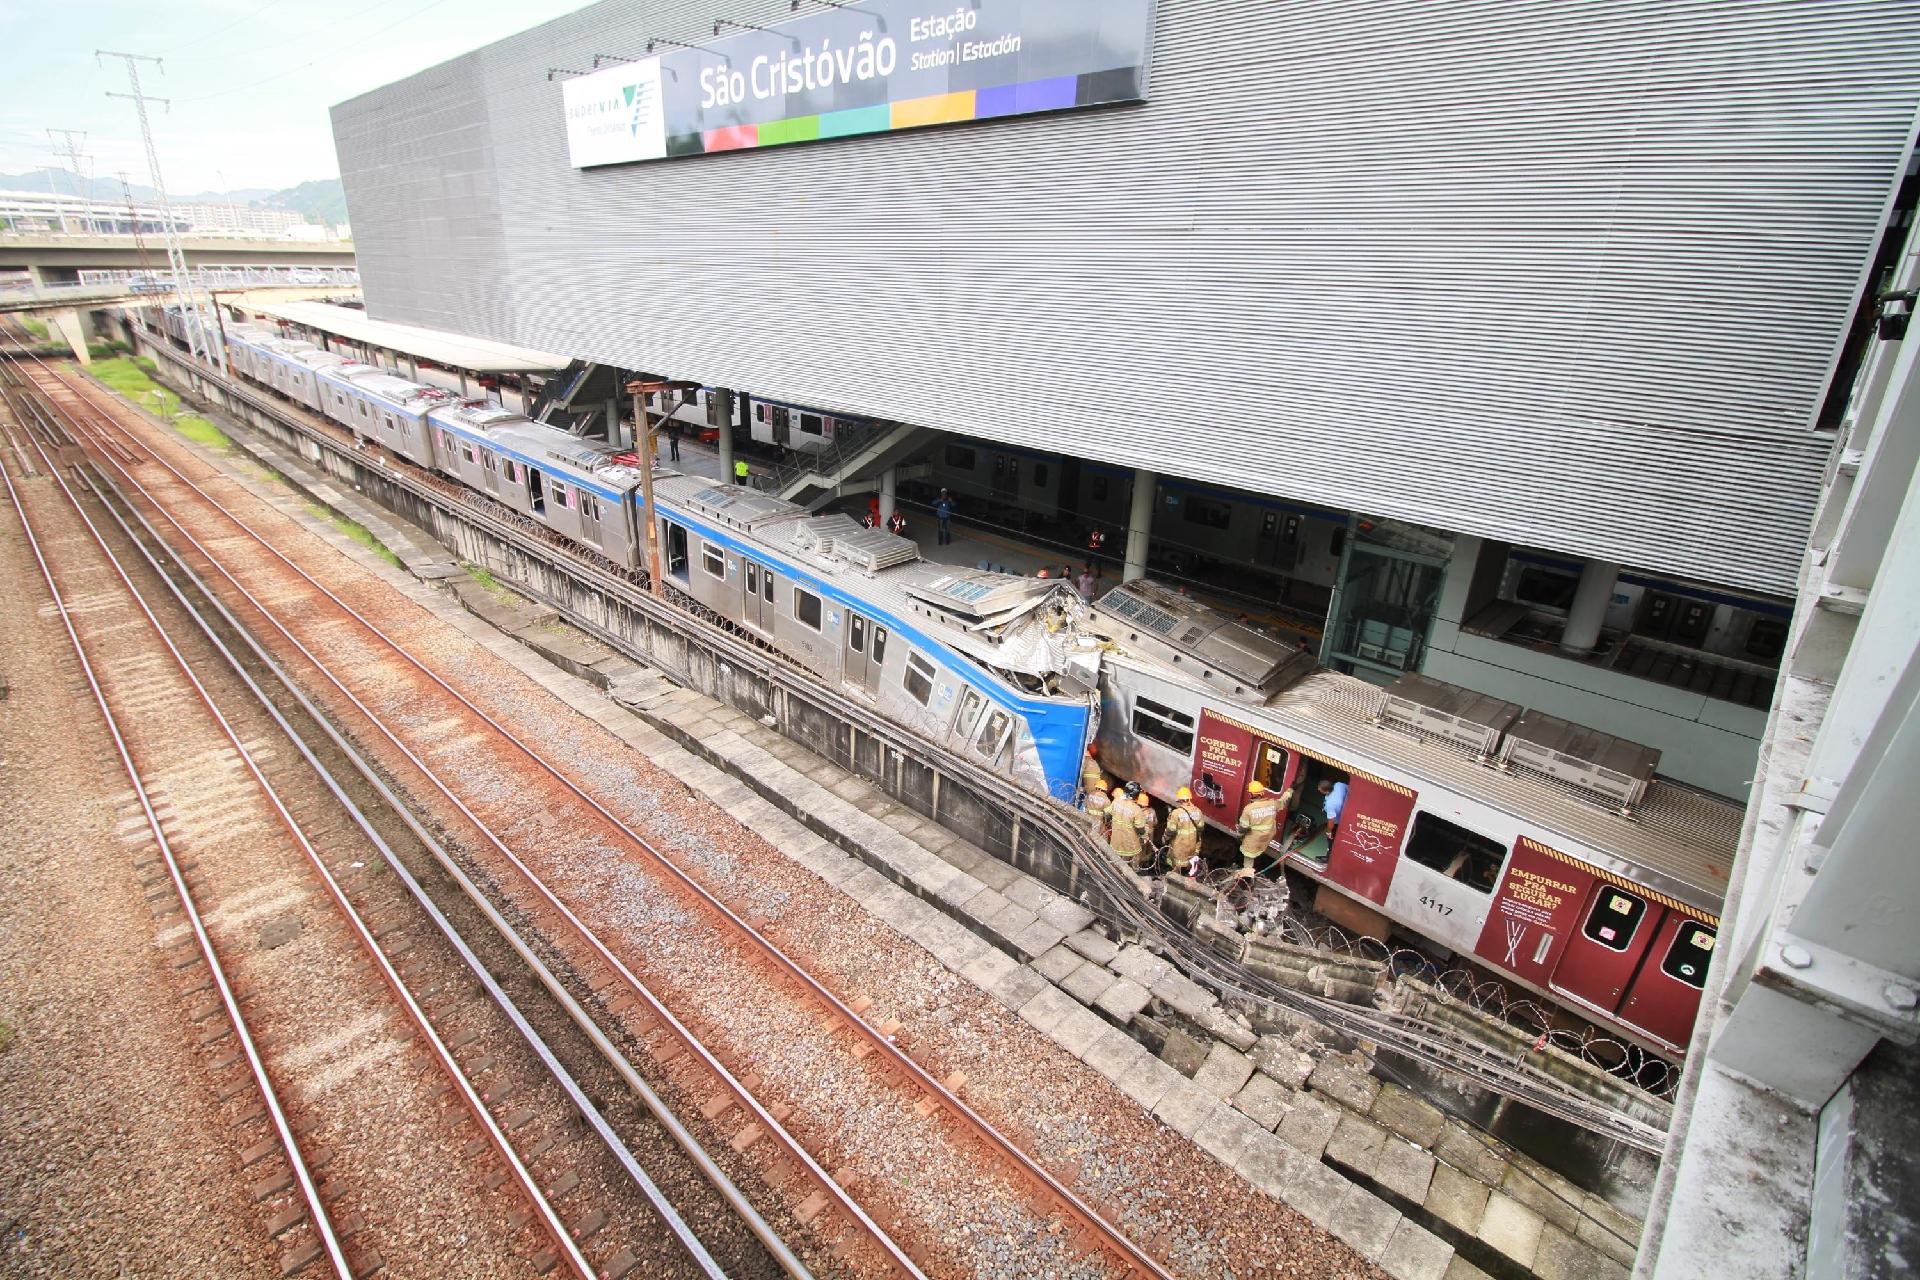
column 1140, row 525
column 889, row 480
column 1589, row 607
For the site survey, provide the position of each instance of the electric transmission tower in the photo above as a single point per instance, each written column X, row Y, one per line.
column 67, row 144
column 190, row 315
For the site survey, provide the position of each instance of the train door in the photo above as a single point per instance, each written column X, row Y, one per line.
column 1006, row 476
column 1615, row 931
column 782, row 427
column 866, row 652
column 489, row 468
column 589, row 513
column 536, row 492
column 1665, row 995
column 757, row 611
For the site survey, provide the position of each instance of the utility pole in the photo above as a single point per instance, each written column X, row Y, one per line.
column 643, row 445
column 71, row 150
column 176, row 256
column 133, row 225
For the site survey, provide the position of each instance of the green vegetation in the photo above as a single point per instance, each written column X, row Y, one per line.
column 128, row 378
column 358, row 532
column 493, row 586
column 38, row 328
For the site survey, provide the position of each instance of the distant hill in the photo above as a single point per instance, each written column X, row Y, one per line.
column 320, row 201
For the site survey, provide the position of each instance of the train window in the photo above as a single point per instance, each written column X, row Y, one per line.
column 1162, row 724
column 810, row 425
column 918, row 679
column 713, row 560
column 760, row 412
column 472, row 454
column 971, row 705
column 1614, row 918
column 961, row 458
column 1039, row 475
column 1098, row 488
column 994, row 736
column 1338, row 544
column 1547, row 588
column 1687, row 957
column 806, row 608
column 856, row 633
column 879, row 645
column 766, row 585
column 1455, row 852
column 1210, row 512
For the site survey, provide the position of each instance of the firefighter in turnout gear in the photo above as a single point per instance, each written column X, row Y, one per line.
column 1097, row 805
column 1149, row 820
column 1124, row 825
column 1183, row 829
column 1090, row 779
column 1259, row 823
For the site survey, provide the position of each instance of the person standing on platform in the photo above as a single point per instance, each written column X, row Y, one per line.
column 1147, row 864
column 897, row 524
column 740, row 471
column 1096, row 541
column 943, row 512
column 1123, row 820
column 1259, row 823
column 1084, row 584
column 673, row 439
column 873, row 511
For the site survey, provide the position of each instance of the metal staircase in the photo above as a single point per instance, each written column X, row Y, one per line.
column 857, row 454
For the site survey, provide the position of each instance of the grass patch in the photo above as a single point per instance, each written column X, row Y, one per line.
column 493, row 586
column 130, row 381
column 6, row 1037
column 357, row 531
column 38, row 328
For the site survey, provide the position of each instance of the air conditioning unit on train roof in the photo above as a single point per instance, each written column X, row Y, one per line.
column 841, row 537
column 1241, row 660
column 1610, row 767
column 1446, row 711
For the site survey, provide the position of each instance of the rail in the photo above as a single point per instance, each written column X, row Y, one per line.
column 1108, row 1238
column 1420, row 1041
column 556, row 1231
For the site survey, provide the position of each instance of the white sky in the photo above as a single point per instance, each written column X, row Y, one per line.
column 250, row 80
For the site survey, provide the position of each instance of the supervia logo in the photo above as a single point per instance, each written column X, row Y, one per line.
column 636, row 108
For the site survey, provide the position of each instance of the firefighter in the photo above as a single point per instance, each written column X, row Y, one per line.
column 1149, row 818
column 1123, row 818
column 1259, row 823
column 1090, row 779
column 1097, row 806
column 1183, row 830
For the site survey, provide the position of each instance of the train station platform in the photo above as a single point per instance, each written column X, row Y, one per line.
column 477, row 356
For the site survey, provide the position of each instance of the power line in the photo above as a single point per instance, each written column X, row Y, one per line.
column 222, row 30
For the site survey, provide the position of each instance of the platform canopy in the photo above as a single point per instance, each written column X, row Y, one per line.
column 455, row 351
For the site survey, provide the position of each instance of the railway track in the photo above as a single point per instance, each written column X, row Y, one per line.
column 354, row 971
column 1106, row 888
column 527, row 830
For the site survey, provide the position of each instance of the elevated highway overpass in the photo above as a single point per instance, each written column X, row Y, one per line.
column 53, row 260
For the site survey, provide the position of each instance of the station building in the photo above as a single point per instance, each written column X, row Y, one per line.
column 1502, row 342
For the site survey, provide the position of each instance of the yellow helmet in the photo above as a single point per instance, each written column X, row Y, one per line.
column 1119, row 793
column 1146, row 801
column 1183, row 795
column 1100, row 785
column 1256, row 788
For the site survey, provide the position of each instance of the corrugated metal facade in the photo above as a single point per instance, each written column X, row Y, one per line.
column 1569, row 275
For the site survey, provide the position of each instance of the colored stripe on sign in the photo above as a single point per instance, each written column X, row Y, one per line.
column 1035, row 95
column 848, row 124
column 797, row 129
column 737, row 137
column 942, row 108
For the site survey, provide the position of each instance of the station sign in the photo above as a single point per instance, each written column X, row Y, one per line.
column 876, row 66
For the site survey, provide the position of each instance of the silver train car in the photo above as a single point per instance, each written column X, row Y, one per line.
column 768, row 422
column 977, row 661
